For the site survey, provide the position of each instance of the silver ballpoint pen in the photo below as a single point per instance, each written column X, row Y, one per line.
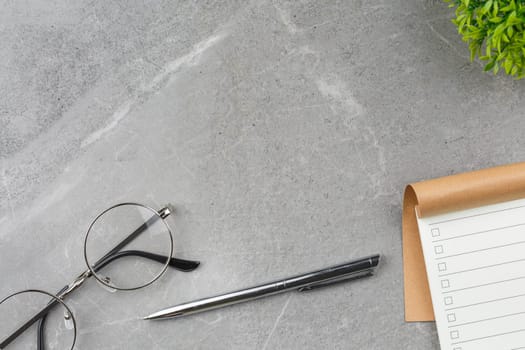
column 351, row 270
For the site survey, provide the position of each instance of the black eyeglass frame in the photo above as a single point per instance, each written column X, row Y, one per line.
column 112, row 255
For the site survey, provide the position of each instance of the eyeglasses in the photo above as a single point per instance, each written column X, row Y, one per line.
column 148, row 241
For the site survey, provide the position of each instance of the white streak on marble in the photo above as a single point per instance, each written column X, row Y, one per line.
column 121, row 112
column 306, row 50
column 190, row 59
column 441, row 37
column 43, row 202
column 377, row 177
column 338, row 91
column 287, row 21
column 8, row 194
column 216, row 319
column 380, row 149
column 277, row 320
column 449, row 44
column 181, row 163
column 97, row 327
column 66, row 251
column 61, row 190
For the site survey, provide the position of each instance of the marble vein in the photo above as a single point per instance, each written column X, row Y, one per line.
column 190, row 59
column 286, row 20
column 115, row 119
column 338, row 91
column 277, row 320
column 446, row 41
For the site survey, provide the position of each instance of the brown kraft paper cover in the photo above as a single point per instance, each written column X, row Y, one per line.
column 445, row 194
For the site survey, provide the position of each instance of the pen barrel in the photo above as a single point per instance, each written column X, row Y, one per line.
column 324, row 276
column 226, row 299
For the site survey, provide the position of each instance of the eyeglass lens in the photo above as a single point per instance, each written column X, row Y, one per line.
column 118, row 242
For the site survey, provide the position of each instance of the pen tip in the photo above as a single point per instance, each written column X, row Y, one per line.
column 150, row 317
column 160, row 315
column 164, row 314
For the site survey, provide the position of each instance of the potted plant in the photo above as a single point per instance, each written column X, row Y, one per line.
column 495, row 32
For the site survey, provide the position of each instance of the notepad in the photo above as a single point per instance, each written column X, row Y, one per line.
column 475, row 263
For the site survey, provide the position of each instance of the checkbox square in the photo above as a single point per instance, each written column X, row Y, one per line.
column 435, row 232
column 454, row 335
column 445, row 283
column 451, row 317
column 438, row 249
column 442, row 266
column 448, row 300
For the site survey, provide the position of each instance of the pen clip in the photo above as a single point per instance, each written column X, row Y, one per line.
column 349, row 277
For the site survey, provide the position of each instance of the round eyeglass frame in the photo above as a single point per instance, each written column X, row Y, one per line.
column 164, row 268
column 56, row 299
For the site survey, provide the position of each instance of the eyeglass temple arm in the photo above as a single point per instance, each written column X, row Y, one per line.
column 40, row 340
column 179, row 264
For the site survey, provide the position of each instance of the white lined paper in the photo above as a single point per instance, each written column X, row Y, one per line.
column 475, row 261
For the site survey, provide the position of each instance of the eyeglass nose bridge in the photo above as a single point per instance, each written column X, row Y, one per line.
column 75, row 284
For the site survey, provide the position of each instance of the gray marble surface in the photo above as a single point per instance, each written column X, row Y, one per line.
column 283, row 133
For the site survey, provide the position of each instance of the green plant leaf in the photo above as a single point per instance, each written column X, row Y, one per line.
column 507, row 65
column 489, row 66
column 494, row 31
column 487, row 7
column 496, row 19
